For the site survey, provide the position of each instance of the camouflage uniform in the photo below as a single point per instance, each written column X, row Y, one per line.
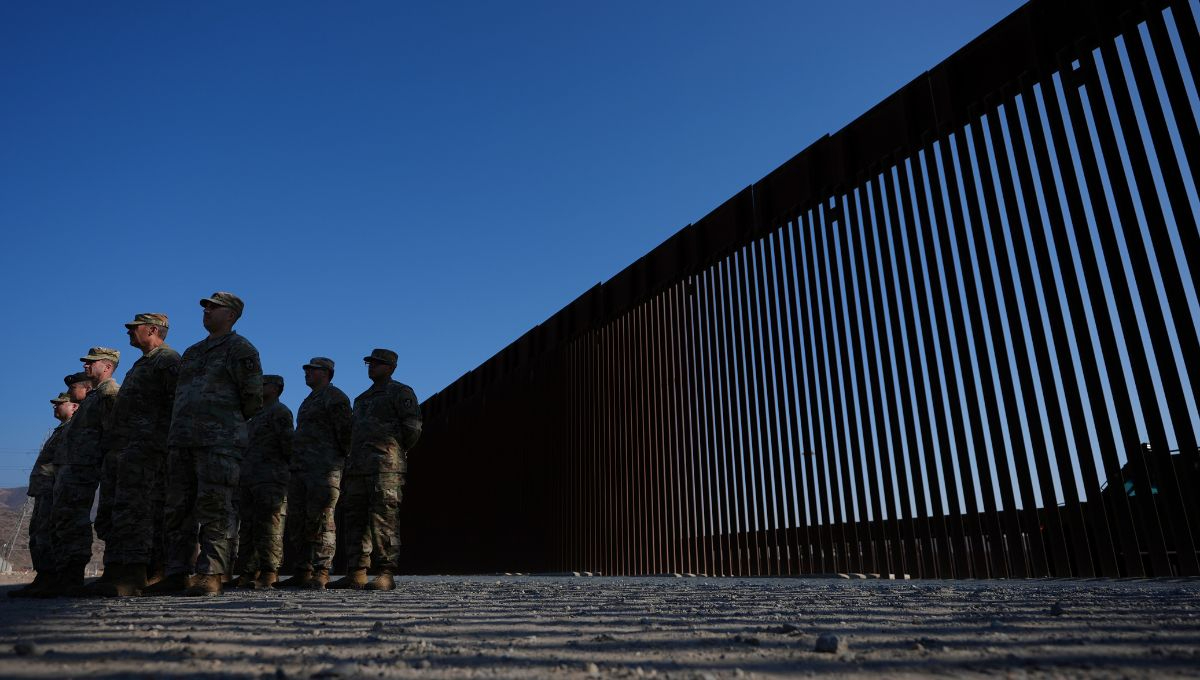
column 263, row 504
column 83, row 455
column 140, row 422
column 387, row 423
column 322, row 444
column 41, row 489
column 219, row 389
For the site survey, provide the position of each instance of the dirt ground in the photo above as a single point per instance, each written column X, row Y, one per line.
column 600, row 627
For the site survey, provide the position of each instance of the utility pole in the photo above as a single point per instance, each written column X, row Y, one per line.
column 26, row 509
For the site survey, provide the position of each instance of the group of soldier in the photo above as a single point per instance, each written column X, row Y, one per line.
column 201, row 473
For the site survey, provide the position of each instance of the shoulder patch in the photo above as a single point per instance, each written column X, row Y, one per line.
column 250, row 364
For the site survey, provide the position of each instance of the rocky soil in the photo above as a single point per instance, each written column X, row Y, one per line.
column 599, row 627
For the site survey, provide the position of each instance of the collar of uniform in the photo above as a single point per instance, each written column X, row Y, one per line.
column 156, row 351
column 218, row 341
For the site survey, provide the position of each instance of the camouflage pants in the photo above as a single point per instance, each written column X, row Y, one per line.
column 310, row 533
column 199, row 508
column 41, row 549
column 108, row 488
column 371, row 517
column 71, row 518
column 136, row 532
column 260, row 534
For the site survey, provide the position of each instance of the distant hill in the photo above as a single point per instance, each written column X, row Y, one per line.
column 13, row 498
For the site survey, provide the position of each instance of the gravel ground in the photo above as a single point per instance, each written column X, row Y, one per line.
column 600, row 627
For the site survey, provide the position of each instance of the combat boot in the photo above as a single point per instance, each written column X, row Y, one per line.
column 154, row 574
column 246, row 580
column 40, row 579
column 320, row 577
column 100, row 587
column 383, row 581
column 65, row 580
column 168, row 585
column 355, row 579
column 298, row 580
column 204, row 585
column 265, row 580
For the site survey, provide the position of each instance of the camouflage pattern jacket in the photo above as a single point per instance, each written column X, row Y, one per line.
column 323, row 427
column 41, row 478
column 142, row 413
column 387, row 423
column 270, row 452
column 219, row 389
column 88, row 439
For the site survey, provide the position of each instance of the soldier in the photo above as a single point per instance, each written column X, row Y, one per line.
column 387, row 423
column 41, row 490
column 263, row 507
column 83, row 455
column 78, row 386
column 322, row 444
column 219, row 389
column 140, row 422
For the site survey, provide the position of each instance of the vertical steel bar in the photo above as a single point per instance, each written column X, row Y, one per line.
column 739, row 548
column 785, row 270
column 769, row 481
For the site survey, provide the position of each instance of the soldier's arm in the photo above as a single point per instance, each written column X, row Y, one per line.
column 410, row 417
column 343, row 419
column 287, row 433
column 247, row 373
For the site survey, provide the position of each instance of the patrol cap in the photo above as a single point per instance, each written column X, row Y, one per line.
column 62, row 398
column 149, row 320
column 382, row 356
column 319, row 362
column 272, row 379
column 98, row 353
column 224, row 299
column 76, row 378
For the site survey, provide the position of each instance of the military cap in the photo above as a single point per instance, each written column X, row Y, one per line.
column 320, row 362
column 224, row 299
column 76, row 378
column 98, row 353
column 270, row 379
column 382, row 356
column 62, row 398
column 149, row 320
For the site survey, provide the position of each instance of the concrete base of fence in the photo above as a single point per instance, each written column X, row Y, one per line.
column 577, row 627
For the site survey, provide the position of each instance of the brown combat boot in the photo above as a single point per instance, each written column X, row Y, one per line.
column 383, row 581
column 204, row 585
column 355, row 579
column 126, row 582
column 101, row 586
column 65, row 580
column 265, row 580
column 320, row 578
column 298, row 580
column 246, row 580
column 154, row 574
column 40, row 579
column 168, row 585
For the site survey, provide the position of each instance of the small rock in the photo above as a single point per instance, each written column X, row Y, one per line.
column 739, row 673
column 786, row 629
column 26, row 649
column 378, row 626
column 604, row 637
column 1057, row 609
column 591, row 669
column 746, row 640
column 828, row 643
column 425, row 663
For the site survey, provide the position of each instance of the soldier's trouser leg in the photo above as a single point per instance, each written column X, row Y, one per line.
column 270, row 512
column 108, row 488
column 136, row 509
column 372, row 511
column 71, row 518
column 201, row 485
column 41, row 549
column 318, row 534
column 293, row 532
column 242, row 546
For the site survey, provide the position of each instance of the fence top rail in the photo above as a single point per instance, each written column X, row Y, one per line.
column 1023, row 46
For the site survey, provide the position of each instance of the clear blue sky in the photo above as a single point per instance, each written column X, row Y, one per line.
column 435, row 178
